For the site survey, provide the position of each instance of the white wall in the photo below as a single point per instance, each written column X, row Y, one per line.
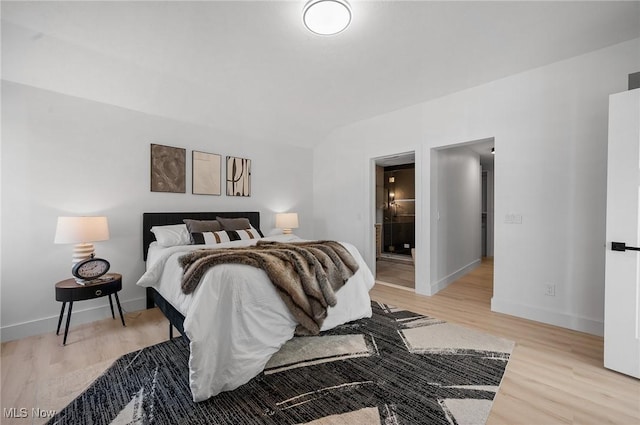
column 63, row 155
column 550, row 130
column 458, row 221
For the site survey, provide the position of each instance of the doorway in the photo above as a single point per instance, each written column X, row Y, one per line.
column 395, row 220
column 463, row 208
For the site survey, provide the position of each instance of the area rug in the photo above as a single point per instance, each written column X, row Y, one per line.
column 398, row 367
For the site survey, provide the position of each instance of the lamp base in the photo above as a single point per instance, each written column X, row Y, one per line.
column 81, row 252
column 286, row 231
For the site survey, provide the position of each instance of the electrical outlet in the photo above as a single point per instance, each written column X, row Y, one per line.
column 550, row 290
column 513, row 219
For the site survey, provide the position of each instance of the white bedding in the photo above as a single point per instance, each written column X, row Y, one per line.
column 235, row 319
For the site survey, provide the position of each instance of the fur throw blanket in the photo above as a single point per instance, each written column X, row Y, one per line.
column 305, row 274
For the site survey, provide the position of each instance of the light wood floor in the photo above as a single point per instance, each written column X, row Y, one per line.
column 555, row 376
column 396, row 273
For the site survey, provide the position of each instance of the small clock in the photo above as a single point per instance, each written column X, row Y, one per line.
column 91, row 268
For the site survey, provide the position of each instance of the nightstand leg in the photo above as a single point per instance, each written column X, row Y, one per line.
column 66, row 329
column 64, row 303
column 111, row 304
column 119, row 308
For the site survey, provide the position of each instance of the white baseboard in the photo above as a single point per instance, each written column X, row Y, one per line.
column 564, row 320
column 79, row 316
column 447, row 280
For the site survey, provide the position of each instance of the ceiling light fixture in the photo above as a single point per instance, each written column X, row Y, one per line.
column 326, row 17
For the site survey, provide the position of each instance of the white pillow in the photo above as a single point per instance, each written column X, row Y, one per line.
column 172, row 235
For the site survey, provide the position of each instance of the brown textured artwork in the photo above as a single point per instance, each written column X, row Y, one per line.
column 168, row 169
column 238, row 176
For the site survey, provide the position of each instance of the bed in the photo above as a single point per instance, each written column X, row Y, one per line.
column 149, row 220
column 234, row 320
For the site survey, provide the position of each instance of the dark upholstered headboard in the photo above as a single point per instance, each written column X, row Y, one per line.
column 165, row 218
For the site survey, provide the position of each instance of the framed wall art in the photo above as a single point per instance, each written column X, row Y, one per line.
column 238, row 176
column 205, row 173
column 168, row 169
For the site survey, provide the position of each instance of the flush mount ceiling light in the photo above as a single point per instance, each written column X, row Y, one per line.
column 326, row 17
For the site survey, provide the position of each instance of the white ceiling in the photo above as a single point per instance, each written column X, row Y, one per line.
column 251, row 69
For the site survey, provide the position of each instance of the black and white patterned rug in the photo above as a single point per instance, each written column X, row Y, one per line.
column 398, row 367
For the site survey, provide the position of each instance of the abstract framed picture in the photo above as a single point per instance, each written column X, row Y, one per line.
column 205, row 173
column 238, row 176
column 168, row 169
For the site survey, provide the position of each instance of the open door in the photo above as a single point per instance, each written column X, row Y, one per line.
column 622, row 277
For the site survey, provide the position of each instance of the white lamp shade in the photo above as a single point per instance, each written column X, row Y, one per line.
column 326, row 17
column 287, row 221
column 81, row 229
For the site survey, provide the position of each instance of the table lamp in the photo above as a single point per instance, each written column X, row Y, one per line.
column 286, row 222
column 81, row 231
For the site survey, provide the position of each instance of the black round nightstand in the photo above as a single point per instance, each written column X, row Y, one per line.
column 68, row 291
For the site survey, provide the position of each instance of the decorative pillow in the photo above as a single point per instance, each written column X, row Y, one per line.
column 213, row 238
column 172, row 235
column 250, row 233
column 200, row 226
column 234, row 223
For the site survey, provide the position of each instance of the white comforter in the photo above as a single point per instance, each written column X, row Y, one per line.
column 235, row 319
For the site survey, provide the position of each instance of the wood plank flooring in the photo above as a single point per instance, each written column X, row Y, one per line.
column 395, row 272
column 555, row 376
column 39, row 372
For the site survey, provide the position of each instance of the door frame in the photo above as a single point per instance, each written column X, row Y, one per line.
column 422, row 252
